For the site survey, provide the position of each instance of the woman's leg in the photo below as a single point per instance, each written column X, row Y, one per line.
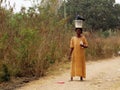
column 81, row 78
column 71, row 78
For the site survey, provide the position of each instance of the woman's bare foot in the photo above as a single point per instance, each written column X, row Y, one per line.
column 81, row 78
column 71, row 78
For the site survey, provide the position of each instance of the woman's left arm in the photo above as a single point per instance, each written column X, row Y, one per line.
column 85, row 43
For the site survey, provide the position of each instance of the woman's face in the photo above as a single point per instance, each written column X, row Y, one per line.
column 78, row 31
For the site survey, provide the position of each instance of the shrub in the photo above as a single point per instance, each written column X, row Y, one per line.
column 4, row 75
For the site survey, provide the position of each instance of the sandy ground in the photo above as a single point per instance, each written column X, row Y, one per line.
column 101, row 75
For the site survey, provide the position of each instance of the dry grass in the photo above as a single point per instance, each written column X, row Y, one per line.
column 29, row 44
column 103, row 47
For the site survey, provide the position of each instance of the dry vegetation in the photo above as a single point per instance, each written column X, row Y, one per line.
column 103, row 45
column 32, row 42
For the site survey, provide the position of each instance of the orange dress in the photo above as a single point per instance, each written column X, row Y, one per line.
column 78, row 67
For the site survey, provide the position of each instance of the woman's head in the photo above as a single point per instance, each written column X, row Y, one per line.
column 78, row 31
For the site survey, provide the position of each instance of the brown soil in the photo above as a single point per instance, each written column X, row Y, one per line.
column 101, row 75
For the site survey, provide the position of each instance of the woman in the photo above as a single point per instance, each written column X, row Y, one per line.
column 77, row 54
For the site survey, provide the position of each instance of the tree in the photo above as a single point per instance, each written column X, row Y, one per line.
column 99, row 14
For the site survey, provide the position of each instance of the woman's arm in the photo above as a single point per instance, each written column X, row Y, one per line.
column 85, row 43
column 84, row 46
column 70, row 53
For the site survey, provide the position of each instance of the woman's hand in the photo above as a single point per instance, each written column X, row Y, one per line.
column 82, row 45
column 69, row 58
column 70, row 53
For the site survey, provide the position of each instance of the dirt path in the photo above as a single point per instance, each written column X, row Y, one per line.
column 101, row 75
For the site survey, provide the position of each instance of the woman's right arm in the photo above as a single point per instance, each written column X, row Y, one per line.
column 71, row 53
column 71, row 47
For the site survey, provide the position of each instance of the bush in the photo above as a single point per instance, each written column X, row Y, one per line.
column 4, row 75
column 102, row 47
column 31, row 42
